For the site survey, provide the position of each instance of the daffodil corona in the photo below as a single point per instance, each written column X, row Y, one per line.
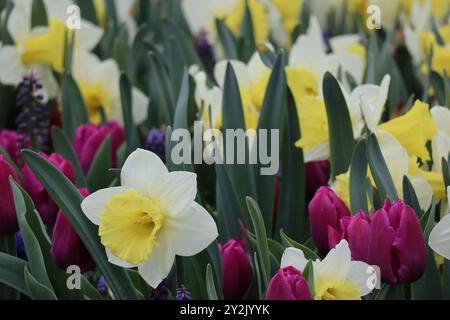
column 151, row 218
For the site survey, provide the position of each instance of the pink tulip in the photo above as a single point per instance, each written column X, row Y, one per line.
column 236, row 269
column 316, row 176
column 9, row 141
column 46, row 207
column 8, row 217
column 88, row 139
column 288, row 284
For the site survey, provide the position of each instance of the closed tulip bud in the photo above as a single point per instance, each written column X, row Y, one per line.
column 325, row 210
column 236, row 269
column 397, row 244
column 67, row 247
column 8, row 217
column 354, row 229
column 316, row 176
column 88, row 139
column 46, row 207
column 9, row 141
column 288, row 284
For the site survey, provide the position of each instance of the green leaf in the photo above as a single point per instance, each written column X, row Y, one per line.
column 131, row 131
column 38, row 14
column 247, row 36
column 446, row 281
column 308, row 273
column 437, row 82
column 410, row 197
column 340, row 129
column 288, row 242
column 36, row 289
column 378, row 168
column 428, row 287
column 358, row 175
column 32, row 246
column 261, row 238
column 74, row 111
column 87, row 10
column 99, row 176
column 12, row 272
column 186, row 108
column 89, row 290
column 227, row 40
column 271, row 117
column 292, row 215
column 446, row 172
column 68, row 199
column 267, row 55
column 187, row 49
column 210, row 286
column 62, row 145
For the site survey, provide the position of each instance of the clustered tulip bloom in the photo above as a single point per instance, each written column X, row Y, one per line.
column 325, row 211
column 391, row 238
column 46, row 207
column 8, row 217
column 67, row 247
column 236, row 269
column 316, row 176
column 89, row 137
column 9, row 141
column 288, row 284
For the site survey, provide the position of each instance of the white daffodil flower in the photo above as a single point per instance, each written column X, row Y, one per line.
column 150, row 218
column 441, row 142
column 439, row 239
column 41, row 47
column 336, row 277
column 98, row 82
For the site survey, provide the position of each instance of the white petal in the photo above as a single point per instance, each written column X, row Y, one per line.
column 89, row 35
column 57, row 9
column 441, row 116
column 19, row 21
column 143, row 171
column 11, row 68
column 256, row 67
column 439, row 239
column 321, row 152
column 440, row 149
column 423, row 191
column 295, row 258
column 157, row 268
column 140, row 106
column 177, row 192
column 342, row 42
column 239, row 68
column 94, row 204
column 84, row 66
column 360, row 274
column 192, row 232
column 337, row 264
column 413, row 45
column 117, row 261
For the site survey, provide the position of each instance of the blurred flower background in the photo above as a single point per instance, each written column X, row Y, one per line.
column 92, row 90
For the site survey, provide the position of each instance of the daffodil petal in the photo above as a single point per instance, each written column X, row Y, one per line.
column 439, row 239
column 295, row 258
column 178, row 191
column 143, row 171
column 192, row 232
column 359, row 274
column 140, row 106
column 239, row 68
column 157, row 268
column 11, row 68
column 336, row 264
column 117, row 261
column 94, row 204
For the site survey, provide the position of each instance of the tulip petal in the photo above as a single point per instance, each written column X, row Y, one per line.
column 192, row 232
column 94, row 204
column 143, row 171
column 178, row 191
column 293, row 257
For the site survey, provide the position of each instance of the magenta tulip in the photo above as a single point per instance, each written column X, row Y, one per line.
column 9, row 141
column 46, row 207
column 88, row 139
column 236, row 269
column 8, row 217
column 325, row 210
column 288, row 284
column 354, row 229
column 316, row 176
column 396, row 243
column 67, row 247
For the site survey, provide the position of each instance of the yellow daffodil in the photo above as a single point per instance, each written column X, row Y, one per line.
column 40, row 46
column 201, row 15
column 336, row 277
column 150, row 218
column 98, row 82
